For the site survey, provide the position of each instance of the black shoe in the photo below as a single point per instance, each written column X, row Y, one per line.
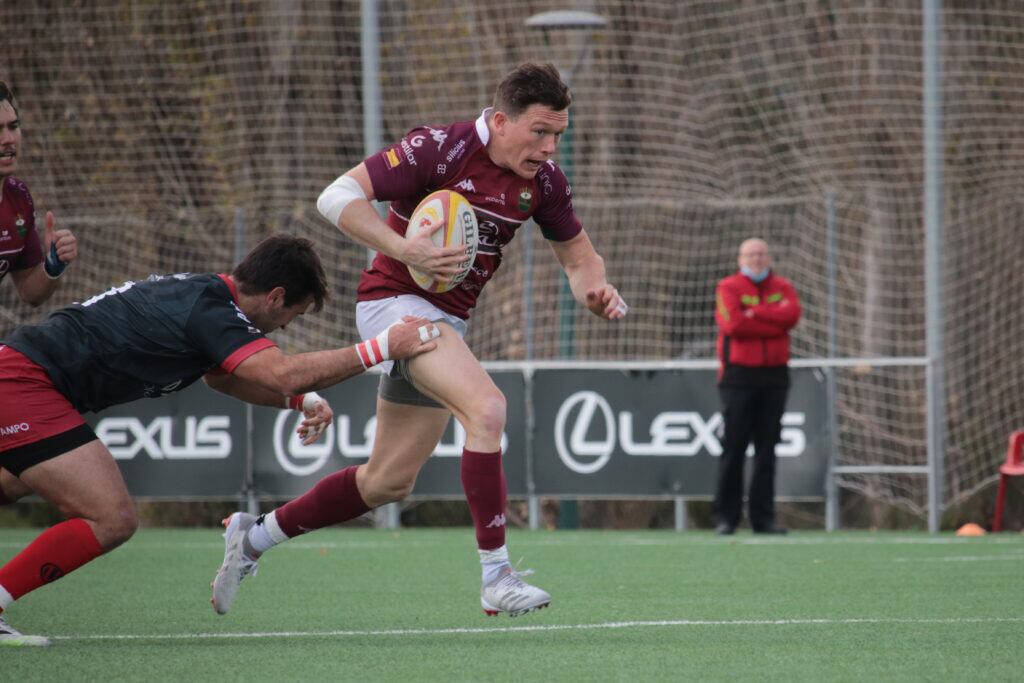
column 725, row 529
column 773, row 529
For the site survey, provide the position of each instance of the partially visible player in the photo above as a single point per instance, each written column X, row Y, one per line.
column 501, row 162
column 145, row 340
column 35, row 277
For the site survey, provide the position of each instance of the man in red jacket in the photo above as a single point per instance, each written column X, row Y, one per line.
column 755, row 309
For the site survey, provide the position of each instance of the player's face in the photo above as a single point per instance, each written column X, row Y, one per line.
column 278, row 316
column 531, row 139
column 754, row 255
column 10, row 139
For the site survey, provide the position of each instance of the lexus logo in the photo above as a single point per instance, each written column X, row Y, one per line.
column 343, row 438
column 588, row 432
column 294, row 457
column 589, row 402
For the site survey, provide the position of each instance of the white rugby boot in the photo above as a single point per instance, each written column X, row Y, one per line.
column 510, row 594
column 10, row 637
column 236, row 564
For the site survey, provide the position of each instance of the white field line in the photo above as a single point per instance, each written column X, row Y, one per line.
column 964, row 558
column 613, row 625
column 563, row 541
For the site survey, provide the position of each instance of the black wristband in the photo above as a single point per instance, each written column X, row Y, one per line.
column 53, row 265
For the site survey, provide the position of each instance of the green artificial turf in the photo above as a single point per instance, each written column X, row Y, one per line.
column 366, row 605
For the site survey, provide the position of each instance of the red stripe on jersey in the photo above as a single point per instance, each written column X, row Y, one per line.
column 234, row 360
column 231, row 285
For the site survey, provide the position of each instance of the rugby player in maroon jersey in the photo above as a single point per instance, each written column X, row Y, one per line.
column 501, row 162
column 35, row 277
column 147, row 339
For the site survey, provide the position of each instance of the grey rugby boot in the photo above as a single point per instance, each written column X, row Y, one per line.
column 510, row 594
column 236, row 564
column 10, row 637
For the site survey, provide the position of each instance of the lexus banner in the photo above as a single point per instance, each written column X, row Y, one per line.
column 595, row 433
column 658, row 433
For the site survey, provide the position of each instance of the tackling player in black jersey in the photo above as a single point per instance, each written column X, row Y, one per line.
column 148, row 339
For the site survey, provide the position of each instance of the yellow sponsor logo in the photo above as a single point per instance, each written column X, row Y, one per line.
column 393, row 159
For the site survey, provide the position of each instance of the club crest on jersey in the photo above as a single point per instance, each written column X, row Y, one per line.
column 20, row 225
column 393, row 159
column 525, row 198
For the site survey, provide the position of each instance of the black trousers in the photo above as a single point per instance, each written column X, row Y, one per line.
column 751, row 413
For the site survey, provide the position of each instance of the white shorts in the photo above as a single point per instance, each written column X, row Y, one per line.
column 372, row 317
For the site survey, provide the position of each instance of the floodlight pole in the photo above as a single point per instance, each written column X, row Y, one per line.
column 933, row 235
column 386, row 516
column 569, row 21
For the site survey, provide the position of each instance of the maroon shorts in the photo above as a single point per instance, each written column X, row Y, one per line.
column 36, row 421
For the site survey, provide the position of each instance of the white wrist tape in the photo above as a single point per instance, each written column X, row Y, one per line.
column 309, row 400
column 302, row 402
column 337, row 196
column 374, row 351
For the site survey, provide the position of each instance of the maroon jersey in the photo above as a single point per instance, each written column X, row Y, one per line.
column 455, row 158
column 19, row 243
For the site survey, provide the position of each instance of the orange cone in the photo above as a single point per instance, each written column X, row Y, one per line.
column 970, row 529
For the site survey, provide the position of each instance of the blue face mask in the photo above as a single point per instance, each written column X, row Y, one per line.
column 758, row 278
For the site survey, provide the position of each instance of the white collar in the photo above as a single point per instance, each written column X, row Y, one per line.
column 482, row 130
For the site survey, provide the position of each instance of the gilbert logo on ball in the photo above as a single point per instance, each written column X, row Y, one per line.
column 460, row 228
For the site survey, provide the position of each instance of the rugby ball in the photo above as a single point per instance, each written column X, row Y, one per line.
column 460, row 228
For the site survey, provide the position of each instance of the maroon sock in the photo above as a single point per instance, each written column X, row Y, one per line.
column 483, row 480
column 59, row 550
column 334, row 499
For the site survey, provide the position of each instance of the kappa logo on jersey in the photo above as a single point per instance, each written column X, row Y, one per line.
column 11, row 430
column 439, row 137
column 498, row 521
column 392, row 158
column 466, row 185
column 152, row 390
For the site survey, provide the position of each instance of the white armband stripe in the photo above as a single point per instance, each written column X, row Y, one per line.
column 337, row 196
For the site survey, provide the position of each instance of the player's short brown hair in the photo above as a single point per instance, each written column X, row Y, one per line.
column 531, row 83
column 283, row 260
column 7, row 96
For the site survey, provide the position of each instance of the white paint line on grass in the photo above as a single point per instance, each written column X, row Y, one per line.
column 563, row 541
column 1016, row 557
column 611, row 625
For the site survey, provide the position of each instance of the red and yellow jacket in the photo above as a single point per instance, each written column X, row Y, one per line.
column 754, row 321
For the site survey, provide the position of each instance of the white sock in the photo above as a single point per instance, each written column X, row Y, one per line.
column 5, row 599
column 263, row 537
column 492, row 562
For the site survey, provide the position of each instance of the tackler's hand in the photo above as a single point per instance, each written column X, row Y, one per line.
column 318, row 415
column 411, row 337
column 406, row 338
